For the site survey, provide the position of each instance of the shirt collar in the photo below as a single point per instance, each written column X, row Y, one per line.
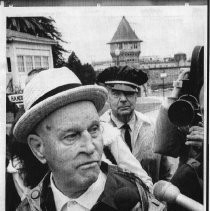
column 119, row 124
column 87, row 199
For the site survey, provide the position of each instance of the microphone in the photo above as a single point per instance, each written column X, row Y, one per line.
column 166, row 191
column 126, row 198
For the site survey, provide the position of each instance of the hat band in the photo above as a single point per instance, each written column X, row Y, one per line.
column 121, row 82
column 54, row 92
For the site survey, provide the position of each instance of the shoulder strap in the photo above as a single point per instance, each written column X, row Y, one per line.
column 149, row 202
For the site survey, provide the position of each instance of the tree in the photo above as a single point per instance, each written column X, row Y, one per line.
column 89, row 75
column 42, row 27
column 74, row 63
column 85, row 72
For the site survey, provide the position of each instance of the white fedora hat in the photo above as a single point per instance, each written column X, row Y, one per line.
column 50, row 90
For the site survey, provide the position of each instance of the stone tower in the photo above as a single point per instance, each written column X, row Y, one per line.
column 125, row 46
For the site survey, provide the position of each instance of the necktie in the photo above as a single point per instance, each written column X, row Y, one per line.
column 127, row 136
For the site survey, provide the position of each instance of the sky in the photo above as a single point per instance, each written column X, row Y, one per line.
column 164, row 30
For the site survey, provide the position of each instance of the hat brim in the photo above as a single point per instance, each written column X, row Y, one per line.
column 124, row 87
column 28, row 121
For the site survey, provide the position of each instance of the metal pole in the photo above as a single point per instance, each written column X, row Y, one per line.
column 163, row 88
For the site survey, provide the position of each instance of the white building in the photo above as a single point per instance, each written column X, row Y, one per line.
column 25, row 52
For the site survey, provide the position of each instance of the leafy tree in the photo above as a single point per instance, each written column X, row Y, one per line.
column 74, row 63
column 88, row 74
column 85, row 72
column 42, row 27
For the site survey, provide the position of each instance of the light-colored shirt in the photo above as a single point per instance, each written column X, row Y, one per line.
column 83, row 203
column 120, row 124
column 124, row 158
column 142, row 146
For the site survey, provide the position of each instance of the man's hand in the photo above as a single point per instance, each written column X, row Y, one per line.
column 183, row 75
column 195, row 136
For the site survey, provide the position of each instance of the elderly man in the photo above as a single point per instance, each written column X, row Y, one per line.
column 123, row 84
column 62, row 128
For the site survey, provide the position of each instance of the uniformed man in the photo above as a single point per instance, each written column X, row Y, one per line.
column 137, row 130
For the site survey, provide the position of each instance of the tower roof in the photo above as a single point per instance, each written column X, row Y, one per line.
column 124, row 33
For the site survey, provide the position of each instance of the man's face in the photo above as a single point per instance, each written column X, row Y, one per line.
column 73, row 144
column 122, row 103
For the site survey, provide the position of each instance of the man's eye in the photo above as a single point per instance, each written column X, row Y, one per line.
column 115, row 93
column 70, row 138
column 129, row 94
column 94, row 129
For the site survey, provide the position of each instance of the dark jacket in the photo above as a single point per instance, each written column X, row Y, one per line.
column 11, row 194
column 41, row 197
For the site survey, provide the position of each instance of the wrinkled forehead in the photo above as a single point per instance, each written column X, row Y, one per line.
column 123, row 87
column 80, row 112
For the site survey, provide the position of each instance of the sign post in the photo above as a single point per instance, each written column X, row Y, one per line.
column 163, row 76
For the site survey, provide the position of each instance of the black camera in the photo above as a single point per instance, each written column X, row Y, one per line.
column 185, row 111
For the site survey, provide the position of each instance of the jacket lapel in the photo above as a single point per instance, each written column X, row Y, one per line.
column 136, row 129
column 47, row 202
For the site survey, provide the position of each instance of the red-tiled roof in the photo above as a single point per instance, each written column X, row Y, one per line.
column 24, row 37
column 124, row 33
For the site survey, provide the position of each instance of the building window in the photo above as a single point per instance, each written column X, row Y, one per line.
column 29, row 63
column 9, row 65
column 20, row 62
column 37, row 61
column 45, row 62
column 120, row 45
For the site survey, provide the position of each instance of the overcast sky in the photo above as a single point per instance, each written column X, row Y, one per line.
column 164, row 30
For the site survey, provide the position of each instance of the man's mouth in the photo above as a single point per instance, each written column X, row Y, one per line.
column 87, row 165
column 124, row 107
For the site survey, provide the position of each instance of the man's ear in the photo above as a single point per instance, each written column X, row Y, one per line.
column 109, row 93
column 108, row 99
column 37, row 147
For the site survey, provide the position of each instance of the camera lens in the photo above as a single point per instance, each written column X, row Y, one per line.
column 181, row 113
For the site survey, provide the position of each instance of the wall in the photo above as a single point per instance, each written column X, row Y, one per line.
column 32, row 50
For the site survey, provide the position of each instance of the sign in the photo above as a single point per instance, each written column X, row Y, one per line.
column 163, row 75
column 16, row 98
column 19, row 105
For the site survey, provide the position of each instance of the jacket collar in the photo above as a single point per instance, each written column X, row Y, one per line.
column 106, row 117
column 114, row 181
column 46, row 199
column 140, row 120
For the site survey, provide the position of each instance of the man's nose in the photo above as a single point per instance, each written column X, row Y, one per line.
column 88, row 144
column 123, row 97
